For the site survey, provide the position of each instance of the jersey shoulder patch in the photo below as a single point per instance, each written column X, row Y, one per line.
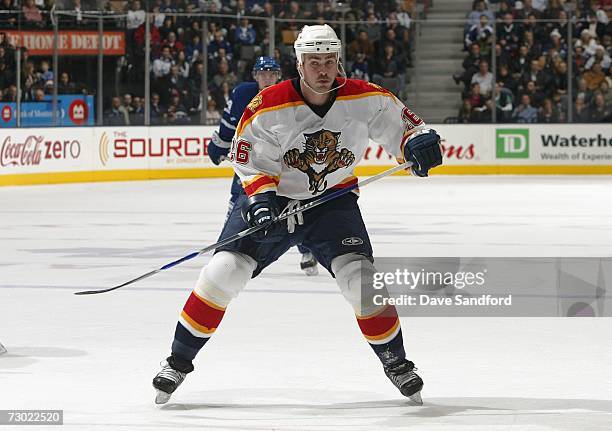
column 255, row 103
column 272, row 98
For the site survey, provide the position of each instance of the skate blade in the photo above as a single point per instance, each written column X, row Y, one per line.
column 416, row 399
column 162, row 397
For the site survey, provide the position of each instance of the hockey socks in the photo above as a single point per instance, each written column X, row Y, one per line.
column 384, row 334
column 197, row 323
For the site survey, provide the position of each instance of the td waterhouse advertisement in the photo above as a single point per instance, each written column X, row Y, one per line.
column 586, row 144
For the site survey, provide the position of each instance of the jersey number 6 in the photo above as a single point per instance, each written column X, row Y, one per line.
column 242, row 152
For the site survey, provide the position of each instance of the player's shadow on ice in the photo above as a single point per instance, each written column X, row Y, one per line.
column 432, row 407
column 438, row 407
column 396, row 411
column 19, row 357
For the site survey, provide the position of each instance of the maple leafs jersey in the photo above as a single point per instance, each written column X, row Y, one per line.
column 284, row 145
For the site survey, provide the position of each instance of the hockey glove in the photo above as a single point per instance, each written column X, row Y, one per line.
column 423, row 150
column 218, row 149
column 262, row 209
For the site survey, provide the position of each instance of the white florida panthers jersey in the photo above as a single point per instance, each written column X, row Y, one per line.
column 282, row 145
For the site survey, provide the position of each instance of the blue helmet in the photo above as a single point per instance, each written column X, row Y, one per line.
column 266, row 63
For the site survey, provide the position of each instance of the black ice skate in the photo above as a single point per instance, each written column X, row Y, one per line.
column 309, row 264
column 403, row 376
column 168, row 379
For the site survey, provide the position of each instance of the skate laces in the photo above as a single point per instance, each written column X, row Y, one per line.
column 170, row 373
column 402, row 367
column 402, row 372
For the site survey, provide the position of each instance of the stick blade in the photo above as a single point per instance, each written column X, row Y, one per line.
column 142, row 277
column 93, row 292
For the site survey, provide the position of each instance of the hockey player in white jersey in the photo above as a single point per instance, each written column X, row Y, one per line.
column 295, row 142
column 266, row 72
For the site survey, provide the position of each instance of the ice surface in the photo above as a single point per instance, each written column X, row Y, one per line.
column 289, row 355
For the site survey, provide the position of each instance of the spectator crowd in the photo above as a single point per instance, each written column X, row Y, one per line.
column 535, row 42
column 377, row 50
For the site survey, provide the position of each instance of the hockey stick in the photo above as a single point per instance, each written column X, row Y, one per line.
column 253, row 229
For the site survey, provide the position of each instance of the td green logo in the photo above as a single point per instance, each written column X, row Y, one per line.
column 512, row 143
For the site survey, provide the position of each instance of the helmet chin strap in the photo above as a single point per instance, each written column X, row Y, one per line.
column 342, row 74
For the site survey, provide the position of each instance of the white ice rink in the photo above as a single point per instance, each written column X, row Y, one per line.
column 289, row 355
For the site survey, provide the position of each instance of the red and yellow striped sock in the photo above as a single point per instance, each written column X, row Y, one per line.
column 380, row 327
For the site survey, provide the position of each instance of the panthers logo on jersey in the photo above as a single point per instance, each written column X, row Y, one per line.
column 320, row 157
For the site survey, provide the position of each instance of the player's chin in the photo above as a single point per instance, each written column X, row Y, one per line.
column 323, row 85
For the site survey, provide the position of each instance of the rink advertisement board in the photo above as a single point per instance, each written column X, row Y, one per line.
column 549, row 145
column 526, row 149
column 70, row 42
column 56, row 155
column 153, row 148
column 53, row 155
column 72, row 110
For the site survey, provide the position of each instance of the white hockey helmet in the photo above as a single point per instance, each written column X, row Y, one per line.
column 316, row 39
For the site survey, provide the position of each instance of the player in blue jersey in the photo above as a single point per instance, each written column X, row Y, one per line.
column 266, row 72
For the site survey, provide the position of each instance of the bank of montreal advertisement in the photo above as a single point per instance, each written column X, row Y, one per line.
column 129, row 149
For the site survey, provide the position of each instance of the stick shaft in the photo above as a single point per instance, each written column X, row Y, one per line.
column 253, row 229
